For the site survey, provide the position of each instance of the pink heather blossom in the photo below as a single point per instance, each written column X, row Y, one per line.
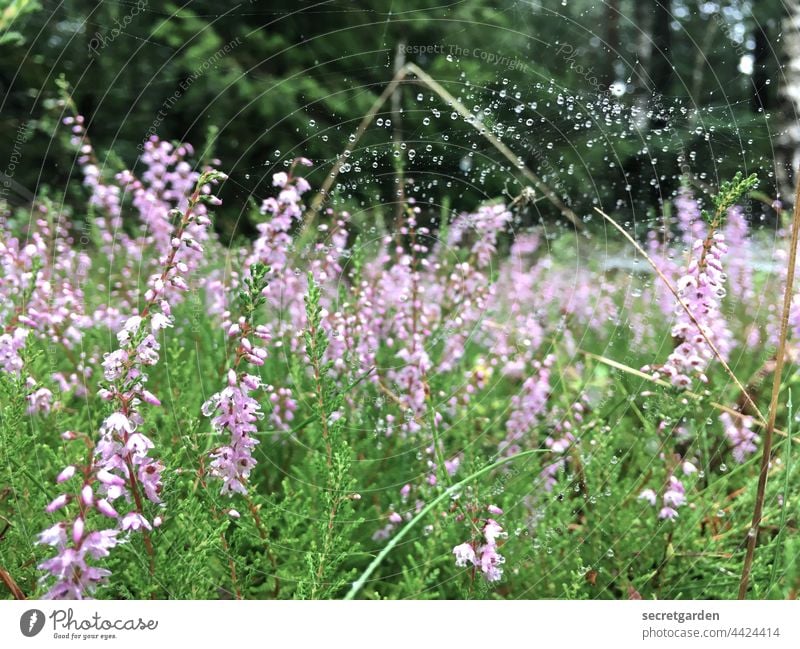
column 668, row 513
column 273, row 244
column 10, row 346
column 57, row 503
column 672, row 498
column 740, row 265
column 700, row 289
column 66, row 474
column 121, row 463
column 465, row 555
column 528, row 406
column 648, row 495
column 39, row 400
column 135, row 521
column 105, row 508
column 675, row 494
column 690, row 222
column 235, row 412
column 740, row 434
column 74, row 577
column 485, row 556
column 47, row 271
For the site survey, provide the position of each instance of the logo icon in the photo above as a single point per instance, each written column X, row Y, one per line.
column 31, row 622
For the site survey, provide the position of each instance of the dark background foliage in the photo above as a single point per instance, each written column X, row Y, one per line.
column 280, row 79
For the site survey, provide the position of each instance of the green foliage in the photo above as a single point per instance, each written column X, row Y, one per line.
column 330, row 543
column 730, row 193
column 323, row 489
column 305, row 533
column 251, row 295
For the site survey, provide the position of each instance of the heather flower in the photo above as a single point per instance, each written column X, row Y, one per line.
column 690, row 222
column 10, row 346
column 74, row 577
column 235, row 412
column 485, row 556
column 491, row 562
column 135, row 521
column 740, row 266
column 675, row 494
column 40, row 400
column 465, row 554
column 700, row 289
column 740, row 434
column 120, row 464
column 648, row 495
column 238, row 413
column 114, row 364
column 672, row 498
column 668, row 513
column 688, row 468
column 528, row 406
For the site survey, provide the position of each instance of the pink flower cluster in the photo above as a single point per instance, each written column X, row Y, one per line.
column 673, row 496
column 75, row 543
column 739, row 431
column 159, row 197
column 121, row 466
column 561, row 438
column 237, row 414
column 41, row 294
column 528, row 406
column 484, row 555
column 274, row 244
column 236, row 411
column 700, row 289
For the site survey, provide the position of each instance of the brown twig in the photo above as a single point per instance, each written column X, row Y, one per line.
column 12, row 586
column 429, row 82
column 232, row 566
column 262, row 532
column 766, row 453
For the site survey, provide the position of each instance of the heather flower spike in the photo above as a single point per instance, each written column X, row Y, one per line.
column 234, row 410
column 122, row 473
column 701, row 288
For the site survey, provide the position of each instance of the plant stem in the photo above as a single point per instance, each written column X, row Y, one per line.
column 766, row 453
column 12, row 586
column 685, row 307
column 785, row 504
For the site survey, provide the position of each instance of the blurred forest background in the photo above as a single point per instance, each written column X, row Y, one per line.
column 611, row 102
